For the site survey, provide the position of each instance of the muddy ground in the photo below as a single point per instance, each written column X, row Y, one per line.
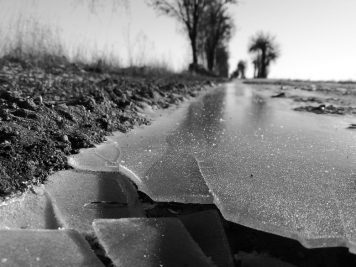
column 50, row 112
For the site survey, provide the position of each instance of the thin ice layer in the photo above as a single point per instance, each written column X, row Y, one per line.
column 163, row 165
column 207, row 230
column 285, row 172
column 62, row 248
column 267, row 166
column 79, row 198
column 32, row 210
column 164, row 155
column 149, row 242
column 103, row 157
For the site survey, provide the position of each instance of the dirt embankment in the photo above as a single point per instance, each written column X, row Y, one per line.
column 48, row 114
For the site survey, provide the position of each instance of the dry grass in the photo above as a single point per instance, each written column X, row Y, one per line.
column 34, row 44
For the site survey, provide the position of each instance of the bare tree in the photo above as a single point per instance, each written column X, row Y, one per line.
column 256, row 63
column 215, row 30
column 95, row 5
column 241, row 68
column 222, row 61
column 189, row 13
column 266, row 50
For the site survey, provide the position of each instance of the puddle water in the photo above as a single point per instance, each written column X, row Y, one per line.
column 264, row 165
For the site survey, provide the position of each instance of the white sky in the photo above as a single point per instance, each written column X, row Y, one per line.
column 317, row 37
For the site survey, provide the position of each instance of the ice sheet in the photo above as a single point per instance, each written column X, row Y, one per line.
column 263, row 164
column 160, row 162
column 207, row 230
column 149, row 242
column 284, row 172
column 32, row 210
column 79, row 198
column 62, row 248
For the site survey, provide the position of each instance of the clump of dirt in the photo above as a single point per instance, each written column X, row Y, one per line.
column 279, row 95
column 318, row 97
column 312, row 99
column 47, row 114
column 327, row 109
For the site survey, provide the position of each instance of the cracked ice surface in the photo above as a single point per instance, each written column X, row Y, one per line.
column 264, row 165
column 288, row 173
column 163, row 165
column 149, row 242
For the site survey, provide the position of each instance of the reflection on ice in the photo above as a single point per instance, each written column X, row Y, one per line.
column 263, row 164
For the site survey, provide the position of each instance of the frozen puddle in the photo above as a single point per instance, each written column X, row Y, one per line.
column 264, row 165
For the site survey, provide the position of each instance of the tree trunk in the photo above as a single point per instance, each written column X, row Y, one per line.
column 210, row 55
column 263, row 73
column 194, row 51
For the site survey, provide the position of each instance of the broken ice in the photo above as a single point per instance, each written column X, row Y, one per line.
column 229, row 148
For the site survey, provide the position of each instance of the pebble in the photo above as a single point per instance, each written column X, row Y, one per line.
column 65, row 138
column 38, row 100
column 27, row 104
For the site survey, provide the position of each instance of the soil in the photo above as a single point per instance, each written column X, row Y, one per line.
column 48, row 113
